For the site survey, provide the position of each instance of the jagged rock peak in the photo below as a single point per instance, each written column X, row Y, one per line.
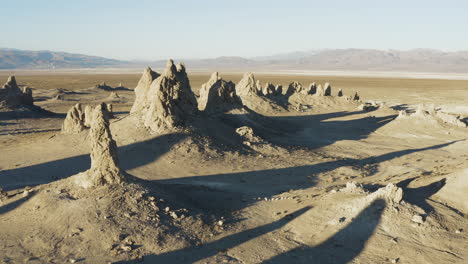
column 142, row 88
column 247, row 86
column 74, row 121
column 218, row 95
column 104, row 160
column 170, row 101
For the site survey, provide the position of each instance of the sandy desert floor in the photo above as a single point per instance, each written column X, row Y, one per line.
column 313, row 193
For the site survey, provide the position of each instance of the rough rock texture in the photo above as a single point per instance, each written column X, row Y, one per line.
column 142, row 89
column 258, row 85
column 104, row 161
column 294, row 87
column 312, row 89
column 248, row 135
column 11, row 95
column 74, row 121
column 428, row 112
column 170, row 100
column 340, row 93
column 88, row 115
column 218, row 95
column 269, row 89
column 320, row 91
column 247, row 86
column 450, row 119
column 327, row 89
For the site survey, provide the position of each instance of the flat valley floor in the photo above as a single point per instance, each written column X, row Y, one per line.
column 289, row 201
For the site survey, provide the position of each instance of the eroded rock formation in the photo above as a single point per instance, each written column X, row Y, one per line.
column 142, row 89
column 74, row 121
column 218, row 95
column 169, row 102
column 104, row 160
column 11, row 96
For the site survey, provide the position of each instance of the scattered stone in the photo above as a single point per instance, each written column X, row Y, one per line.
column 458, row 231
column 174, row 215
column 248, row 134
column 220, row 223
column 418, row 219
column 395, row 260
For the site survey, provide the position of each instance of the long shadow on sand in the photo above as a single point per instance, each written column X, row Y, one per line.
column 150, row 150
column 234, row 191
column 342, row 247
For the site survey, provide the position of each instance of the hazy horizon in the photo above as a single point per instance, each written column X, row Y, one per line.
column 149, row 30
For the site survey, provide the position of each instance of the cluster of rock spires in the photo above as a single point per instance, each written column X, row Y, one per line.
column 218, row 95
column 79, row 119
column 105, row 169
column 428, row 112
column 11, row 96
column 165, row 101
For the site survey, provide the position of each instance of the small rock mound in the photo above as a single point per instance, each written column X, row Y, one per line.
column 170, row 101
column 340, row 93
column 248, row 135
column 113, row 96
column 247, row 86
column 142, row 89
column 11, row 96
column 429, row 113
column 218, row 95
column 105, row 168
column 103, row 86
column 78, row 120
column 74, row 121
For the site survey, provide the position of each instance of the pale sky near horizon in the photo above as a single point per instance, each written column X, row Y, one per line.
column 206, row 28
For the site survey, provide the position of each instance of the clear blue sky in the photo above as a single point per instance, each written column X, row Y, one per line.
column 143, row 29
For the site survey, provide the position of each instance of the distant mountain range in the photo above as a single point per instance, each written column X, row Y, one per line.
column 417, row 60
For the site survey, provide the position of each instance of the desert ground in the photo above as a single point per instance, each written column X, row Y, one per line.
column 382, row 178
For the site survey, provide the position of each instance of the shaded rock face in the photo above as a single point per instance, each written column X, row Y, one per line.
column 278, row 90
column 74, row 121
column 269, row 89
column 170, row 101
column 247, row 86
column 312, row 89
column 327, row 89
column 340, row 93
column 11, row 96
column 103, row 86
column 218, row 95
column 142, row 89
column 294, row 87
column 78, row 120
column 356, row 96
column 104, row 161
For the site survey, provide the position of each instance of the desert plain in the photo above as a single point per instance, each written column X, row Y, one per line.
column 291, row 177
